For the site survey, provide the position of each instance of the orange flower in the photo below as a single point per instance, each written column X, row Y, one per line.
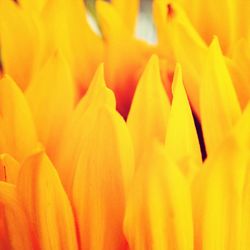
column 108, row 142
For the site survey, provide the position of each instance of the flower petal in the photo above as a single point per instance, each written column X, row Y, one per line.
column 128, row 9
column 33, row 6
column 46, row 204
column 70, row 148
column 9, row 169
column 216, row 18
column 15, row 231
column 220, row 108
column 147, row 119
column 158, row 212
column 101, row 181
column 66, row 28
column 17, row 132
column 238, row 67
column 180, row 42
column 124, row 57
column 52, row 86
column 182, row 142
column 21, row 43
column 217, row 198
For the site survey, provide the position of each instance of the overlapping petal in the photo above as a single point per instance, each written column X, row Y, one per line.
column 158, row 212
column 17, row 130
column 46, row 204
column 102, row 178
column 148, row 114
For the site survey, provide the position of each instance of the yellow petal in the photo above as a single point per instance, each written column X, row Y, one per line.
column 124, row 57
column 220, row 108
column 51, row 98
column 87, row 48
column 216, row 18
column 17, row 132
column 217, row 196
column 182, row 142
column 67, row 29
column 245, row 213
column 102, row 178
column 70, row 148
column 128, row 9
column 15, row 233
column 9, row 168
column 148, row 114
column 97, row 94
column 20, row 43
column 180, row 42
column 33, row 6
column 239, row 70
column 46, row 204
column 110, row 21
column 241, row 130
column 158, row 211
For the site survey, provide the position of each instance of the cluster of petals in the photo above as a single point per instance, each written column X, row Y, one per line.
column 108, row 142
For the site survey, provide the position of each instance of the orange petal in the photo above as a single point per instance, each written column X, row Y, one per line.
column 46, row 204
column 9, row 168
column 82, row 48
column 21, row 43
column 87, row 48
column 158, row 212
column 245, row 212
column 51, row 98
column 180, row 42
column 33, row 6
column 216, row 18
column 238, row 67
column 182, row 142
column 128, row 10
column 148, row 114
column 241, row 130
column 217, row 197
column 125, row 57
column 102, row 178
column 70, row 148
column 17, row 132
column 220, row 108
column 15, row 231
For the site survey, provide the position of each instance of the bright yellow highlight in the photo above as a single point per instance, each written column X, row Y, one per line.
column 108, row 142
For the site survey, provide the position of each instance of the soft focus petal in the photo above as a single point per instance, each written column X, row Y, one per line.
column 33, row 6
column 217, row 194
column 21, row 43
column 17, row 132
column 15, row 231
column 46, row 204
column 182, row 142
column 158, row 212
column 239, row 70
column 180, row 42
column 102, row 178
column 129, row 10
column 9, row 168
column 86, row 46
column 124, row 57
column 216, row 18
column 220, row 108
column 148, row 115
column 70, row 148
column 66, row 28
column 51, row 97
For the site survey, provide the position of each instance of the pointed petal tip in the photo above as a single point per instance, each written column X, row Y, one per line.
column 177, row 80
column 154, row 59
column 215, row 44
